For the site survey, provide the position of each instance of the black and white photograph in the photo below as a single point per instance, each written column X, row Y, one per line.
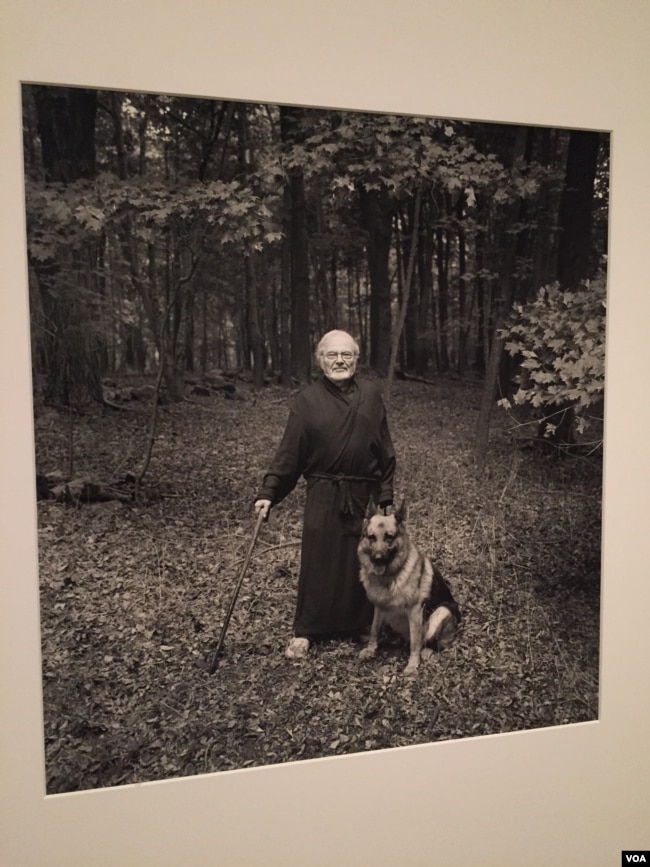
column 318, row 410
column 324, row 494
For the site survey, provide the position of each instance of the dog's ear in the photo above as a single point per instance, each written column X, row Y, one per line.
column 402, row 512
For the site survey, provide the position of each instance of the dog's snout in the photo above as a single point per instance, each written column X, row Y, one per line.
column 380, row 550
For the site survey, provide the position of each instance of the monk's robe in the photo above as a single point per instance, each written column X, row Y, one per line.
column 339, row 441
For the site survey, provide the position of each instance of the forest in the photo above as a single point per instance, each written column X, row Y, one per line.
column 185, row 255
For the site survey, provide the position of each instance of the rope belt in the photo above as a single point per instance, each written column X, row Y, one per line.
column 342, row 482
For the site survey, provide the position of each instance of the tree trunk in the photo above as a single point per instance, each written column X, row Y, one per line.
column 326, row 294
column 575, row 255
column 481, row 346
column 300, row 306
column 544, row 266
column 361, row 313
column 442, row 264
column 487, row 401
column 424, row 335
column 407, row 281
column 66, row 126
column 189, row 330
column 73, row 346
column 296, row 231
column 204, row 330
column 115, row 109
column 271, row 305
column 576, row 261
column 501, row 302
column 377, row 220
column 411, row 323
column 254, row 331
column 402, row 247
column 285, row 294
column 463, row 326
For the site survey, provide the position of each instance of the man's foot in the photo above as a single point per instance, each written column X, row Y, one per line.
column 297, row 648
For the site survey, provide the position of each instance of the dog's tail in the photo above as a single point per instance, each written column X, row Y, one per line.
column 441, row 594
column 441, row 628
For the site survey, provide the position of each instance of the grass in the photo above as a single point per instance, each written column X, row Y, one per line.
column 133, row 596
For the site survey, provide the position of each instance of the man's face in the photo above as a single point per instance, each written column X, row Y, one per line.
column 338, row 358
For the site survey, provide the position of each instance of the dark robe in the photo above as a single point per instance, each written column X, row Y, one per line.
column 339, row 441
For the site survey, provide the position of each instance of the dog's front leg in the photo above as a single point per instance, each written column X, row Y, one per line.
column 370, row 651
column 415, row 635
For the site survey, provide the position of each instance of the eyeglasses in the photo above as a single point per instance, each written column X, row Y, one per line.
column 332, row 356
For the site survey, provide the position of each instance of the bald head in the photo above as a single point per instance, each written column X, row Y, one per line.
column 337, row 355
column 328, row 340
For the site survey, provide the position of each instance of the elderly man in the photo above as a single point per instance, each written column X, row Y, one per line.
column 337, row 438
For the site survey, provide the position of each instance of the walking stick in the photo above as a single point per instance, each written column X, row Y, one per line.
column 213, row 663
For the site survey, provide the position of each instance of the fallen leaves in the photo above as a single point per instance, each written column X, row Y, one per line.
column 133, row 597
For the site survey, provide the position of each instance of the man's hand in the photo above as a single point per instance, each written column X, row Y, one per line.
column 262, row 506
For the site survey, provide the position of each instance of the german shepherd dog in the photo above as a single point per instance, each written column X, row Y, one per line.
column 407, row 591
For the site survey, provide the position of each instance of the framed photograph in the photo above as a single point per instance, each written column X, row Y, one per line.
column 85, row 753
column 178, row 249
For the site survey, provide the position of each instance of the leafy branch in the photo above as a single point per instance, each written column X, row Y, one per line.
column 560, row 338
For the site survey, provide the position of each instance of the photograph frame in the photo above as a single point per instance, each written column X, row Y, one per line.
column 587, row 782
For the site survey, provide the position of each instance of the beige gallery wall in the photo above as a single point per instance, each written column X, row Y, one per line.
column 566, row 796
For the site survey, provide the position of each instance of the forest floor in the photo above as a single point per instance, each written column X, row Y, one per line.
column 133, row 597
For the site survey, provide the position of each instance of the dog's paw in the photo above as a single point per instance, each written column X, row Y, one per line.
column 426, row 654
column 412, row 666
column 367, row 653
